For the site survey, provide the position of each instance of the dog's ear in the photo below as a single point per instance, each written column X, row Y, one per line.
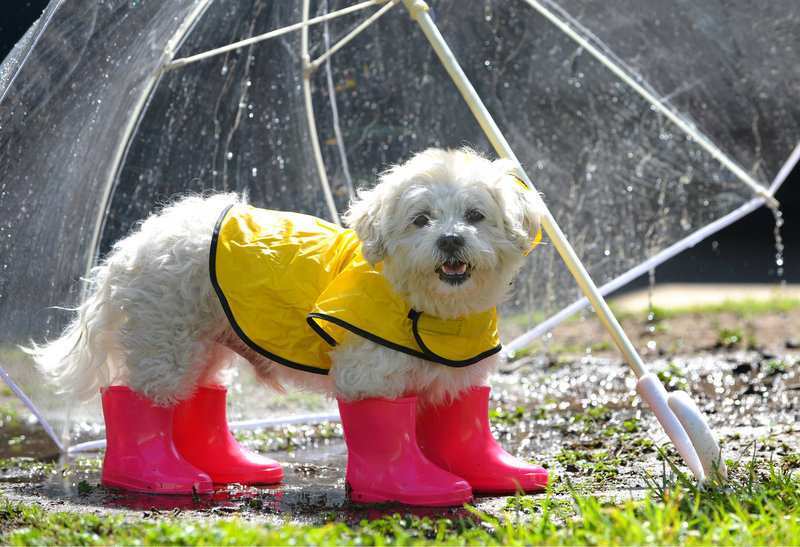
column 524, row 210
column 363, row 217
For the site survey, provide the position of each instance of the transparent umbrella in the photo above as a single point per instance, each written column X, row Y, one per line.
column 646, row 126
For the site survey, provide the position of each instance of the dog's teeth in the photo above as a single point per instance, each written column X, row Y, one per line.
column 459, row 268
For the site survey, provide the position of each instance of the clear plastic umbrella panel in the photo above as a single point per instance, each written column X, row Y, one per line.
column 646, row 126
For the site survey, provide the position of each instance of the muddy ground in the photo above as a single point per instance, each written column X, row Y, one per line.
column 572, row 408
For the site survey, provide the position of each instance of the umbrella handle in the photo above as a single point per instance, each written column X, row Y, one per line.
column 685, row 426
column 703, row 440
column 652, row 391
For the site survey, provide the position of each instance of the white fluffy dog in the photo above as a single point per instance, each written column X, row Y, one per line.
column 445, row 230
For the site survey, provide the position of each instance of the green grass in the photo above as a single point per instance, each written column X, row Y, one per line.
column 673, row 378
column 759, row 506
column 9, row 414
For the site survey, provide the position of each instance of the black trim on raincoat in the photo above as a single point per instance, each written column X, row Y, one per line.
column 425, row 353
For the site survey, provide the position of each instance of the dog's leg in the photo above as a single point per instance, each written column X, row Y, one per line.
column 172, row 314
column 217, row 365
column 364, row 369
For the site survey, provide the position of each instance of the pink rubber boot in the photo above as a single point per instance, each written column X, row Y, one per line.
column 200, row 430
column 456, row 436
column 384, row 462
column 140, row 454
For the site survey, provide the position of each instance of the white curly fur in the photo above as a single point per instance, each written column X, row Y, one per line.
column 152, row 320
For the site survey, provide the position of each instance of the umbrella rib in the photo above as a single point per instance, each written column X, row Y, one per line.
column 312, row 123
column 308, row 69
column 313, row 65
column 90, row 446
column 786, row 169
column 25, row 399
column 176, row 63
column 337, row 129
column 687, row 127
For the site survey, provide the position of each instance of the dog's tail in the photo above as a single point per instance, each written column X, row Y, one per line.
column 86, row 356
column 123, row 295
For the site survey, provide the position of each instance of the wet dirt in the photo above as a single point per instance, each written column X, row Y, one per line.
column 573, row 410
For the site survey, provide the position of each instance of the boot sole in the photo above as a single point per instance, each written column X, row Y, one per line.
column 489, row 486
column 265, row 477
column 438, row 500
column 137, row 484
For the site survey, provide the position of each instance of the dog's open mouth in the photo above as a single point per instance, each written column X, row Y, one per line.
column 454, row 272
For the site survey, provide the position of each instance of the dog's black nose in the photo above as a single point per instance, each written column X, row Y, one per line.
column 450, row 243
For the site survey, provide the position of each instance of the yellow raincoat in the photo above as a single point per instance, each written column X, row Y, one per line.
column 292, row 285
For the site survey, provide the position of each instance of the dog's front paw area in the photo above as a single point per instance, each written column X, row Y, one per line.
column 384, row 462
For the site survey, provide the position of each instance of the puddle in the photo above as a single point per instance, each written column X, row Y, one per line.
column 314, row 482
column 22, row 439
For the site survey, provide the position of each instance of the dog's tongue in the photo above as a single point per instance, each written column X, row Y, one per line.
column 455, row 269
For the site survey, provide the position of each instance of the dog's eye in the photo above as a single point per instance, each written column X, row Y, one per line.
column 421, row 220
column 474, row 216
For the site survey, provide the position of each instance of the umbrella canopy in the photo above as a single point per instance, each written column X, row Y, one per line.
column 646, row 126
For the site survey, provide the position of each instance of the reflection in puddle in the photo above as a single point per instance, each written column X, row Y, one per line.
column 23, row 439
column 310, row 492
column 222, row 498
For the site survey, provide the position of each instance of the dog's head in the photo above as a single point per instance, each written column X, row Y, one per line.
column 450, row 226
